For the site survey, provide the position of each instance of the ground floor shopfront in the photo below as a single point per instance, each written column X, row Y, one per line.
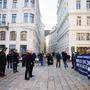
column 81, row 50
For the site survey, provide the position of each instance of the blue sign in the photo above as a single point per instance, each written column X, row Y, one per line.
column 83, row 65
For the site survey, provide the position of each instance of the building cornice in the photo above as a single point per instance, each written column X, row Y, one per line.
column 79, row 13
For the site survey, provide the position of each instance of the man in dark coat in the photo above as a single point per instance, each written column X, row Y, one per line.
column 9, row 59
column 29, row 63
column 15, row 61
column 58, row 57
column 65, row 58
column 40, row 55
column 73, row 60
column 23, row 59
column 2, row 62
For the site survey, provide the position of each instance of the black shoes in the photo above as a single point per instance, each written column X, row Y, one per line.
column 26, row 78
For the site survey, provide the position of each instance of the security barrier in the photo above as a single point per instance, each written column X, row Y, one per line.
column 83, row 65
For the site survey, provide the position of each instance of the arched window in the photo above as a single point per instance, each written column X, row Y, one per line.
column 12, row 35
column 23, row 36
column 2, row 35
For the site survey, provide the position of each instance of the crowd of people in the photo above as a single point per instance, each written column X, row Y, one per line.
column 11, row 60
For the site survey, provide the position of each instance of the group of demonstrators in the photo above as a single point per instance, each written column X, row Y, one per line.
column 12, row 59
column 28, row 60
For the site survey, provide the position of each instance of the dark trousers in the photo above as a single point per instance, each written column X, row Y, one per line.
column 65, row 64
column 14, row 67
column 2, row 69
column 28, row 72
column 58, row 63
column 9, row 64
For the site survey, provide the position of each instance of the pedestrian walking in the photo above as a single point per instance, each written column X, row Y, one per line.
column 64, row 56
column 3, row 62
column 58, row 57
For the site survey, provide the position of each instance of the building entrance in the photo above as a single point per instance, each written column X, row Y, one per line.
column 2, row 46
column 23, row 49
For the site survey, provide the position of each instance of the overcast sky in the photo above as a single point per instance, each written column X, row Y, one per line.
column 48, row 10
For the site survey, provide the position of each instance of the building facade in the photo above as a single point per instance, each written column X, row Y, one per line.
column 53, row 40
column 73, row 26
column 20, row 25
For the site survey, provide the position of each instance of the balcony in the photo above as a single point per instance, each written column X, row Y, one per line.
column 4, row 25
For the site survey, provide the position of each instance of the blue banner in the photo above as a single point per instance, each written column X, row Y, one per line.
column 83, row 65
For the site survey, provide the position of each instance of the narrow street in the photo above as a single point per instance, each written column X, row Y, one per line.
column 45, row 78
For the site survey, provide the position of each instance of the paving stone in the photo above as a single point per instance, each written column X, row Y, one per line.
column 45, row 78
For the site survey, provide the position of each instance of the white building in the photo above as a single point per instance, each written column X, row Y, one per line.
column 53, row 40
column 73, row 27
column 20, row 25
column 42, row 47
column 47, row 43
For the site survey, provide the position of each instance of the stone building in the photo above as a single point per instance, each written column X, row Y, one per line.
column 73, row 26
column 20, row 25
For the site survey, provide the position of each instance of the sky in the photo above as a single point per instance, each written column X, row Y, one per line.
column 48, row 9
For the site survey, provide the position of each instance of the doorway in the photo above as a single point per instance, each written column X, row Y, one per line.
column 23, row 49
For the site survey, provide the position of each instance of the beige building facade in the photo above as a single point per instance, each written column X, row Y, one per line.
column 73, row 26
column 20, row 25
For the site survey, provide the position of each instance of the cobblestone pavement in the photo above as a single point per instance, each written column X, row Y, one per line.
column 45, row 78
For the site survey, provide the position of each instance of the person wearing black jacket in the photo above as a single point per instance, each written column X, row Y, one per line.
column 15, row 60
column 29, row 63
column 58, row 57
column 3, row 62
column 9, row 60
column 65, row 58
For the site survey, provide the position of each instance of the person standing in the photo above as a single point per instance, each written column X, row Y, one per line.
column 15, row 61
column 40, row 55
column 29, row 63
column 64, row 56
column 73, row 60
column 3, row 62
column 58, row 57
column 9, row 60
column 23, row 59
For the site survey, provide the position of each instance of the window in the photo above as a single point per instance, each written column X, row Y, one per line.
column 0, row 20
column 12, row 35
column 32, row 2
column 83, row 36
column 26, row 3
column 78, row 4
column 88, row 36
column 23, row 35
column 2, row 35
column 11, row 47
column 4, row 19
column 13, row 18
column 78, row 36
column 0, row 3
column 5, row 4
column 78, row 21
column 14, row 5
column 2, row 46
column 31, row 18
column 26, row 17
column 88, row 4
column 88, row 21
